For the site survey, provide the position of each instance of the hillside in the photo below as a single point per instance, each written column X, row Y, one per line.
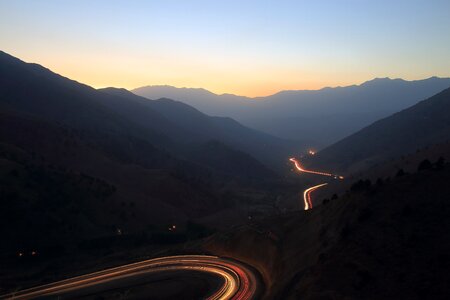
column 196, row 127
column 421, row 125
column 167, row 124
column 45, row 165
column 381, row 241
column 229, row 161
column 101, row 162
column 320, row 117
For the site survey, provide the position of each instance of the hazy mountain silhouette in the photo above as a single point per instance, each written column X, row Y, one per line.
column 421, row 125
column 194, row 126
column 226, row 105
column 323, row 116
column 167, row 124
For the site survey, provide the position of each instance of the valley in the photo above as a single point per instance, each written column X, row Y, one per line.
column 224, row 150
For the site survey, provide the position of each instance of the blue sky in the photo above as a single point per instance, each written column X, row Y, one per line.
column 250, row 48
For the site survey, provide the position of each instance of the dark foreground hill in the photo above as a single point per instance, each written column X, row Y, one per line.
column 419, row 126
column 379, row 241
column 78, row 165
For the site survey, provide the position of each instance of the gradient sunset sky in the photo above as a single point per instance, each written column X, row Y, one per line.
column 251, row 48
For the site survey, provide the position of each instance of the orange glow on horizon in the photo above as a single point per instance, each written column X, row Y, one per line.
column 113, row 70
column 229, row 83
column 99, row 69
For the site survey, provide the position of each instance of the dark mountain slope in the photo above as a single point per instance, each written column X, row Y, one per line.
column 101, row 162
column 36, row 90
column 134, row 174
column 123, row 119
column 228, row 161
column 386, row 241
column 191, row 125
column 423, row 124
column 269, row 150
column 58, row 188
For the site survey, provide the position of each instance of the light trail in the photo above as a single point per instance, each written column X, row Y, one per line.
column 301, row 169
column 239, row 282
column 307, row 195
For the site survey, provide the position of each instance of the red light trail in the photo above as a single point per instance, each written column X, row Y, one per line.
column 307, row 193
column 301, row 169
column 239, row 282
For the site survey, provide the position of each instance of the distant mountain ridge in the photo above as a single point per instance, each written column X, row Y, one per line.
column 165, row 123
column 322, row 116
column 192, row 126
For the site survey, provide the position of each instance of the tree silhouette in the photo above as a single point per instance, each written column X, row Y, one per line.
column 379, row 181
column 439, row 164
column 400, row 173
column 361, row 185
column 424, row 165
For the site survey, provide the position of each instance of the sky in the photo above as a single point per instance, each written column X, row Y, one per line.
column 251, row 48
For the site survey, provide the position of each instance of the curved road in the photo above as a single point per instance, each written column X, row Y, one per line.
column 239, row 281
column 307, row 193
column 301, row 169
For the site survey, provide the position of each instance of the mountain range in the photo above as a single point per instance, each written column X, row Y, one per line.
column 319, row 117
column 78, row 163
column 86, row 173
column 186, row 125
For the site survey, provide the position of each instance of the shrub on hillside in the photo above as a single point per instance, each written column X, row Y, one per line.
column 424, row 165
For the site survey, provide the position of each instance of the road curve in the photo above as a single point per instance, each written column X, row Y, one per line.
column 307, row 195
column 301, row 169
column 239, row 281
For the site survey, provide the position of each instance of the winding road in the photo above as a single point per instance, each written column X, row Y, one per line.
column 239, row 281
column 307, row 193
column 301, row 169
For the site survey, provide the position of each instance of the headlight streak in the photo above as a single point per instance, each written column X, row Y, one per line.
column 307, row 193
column 239, row 281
